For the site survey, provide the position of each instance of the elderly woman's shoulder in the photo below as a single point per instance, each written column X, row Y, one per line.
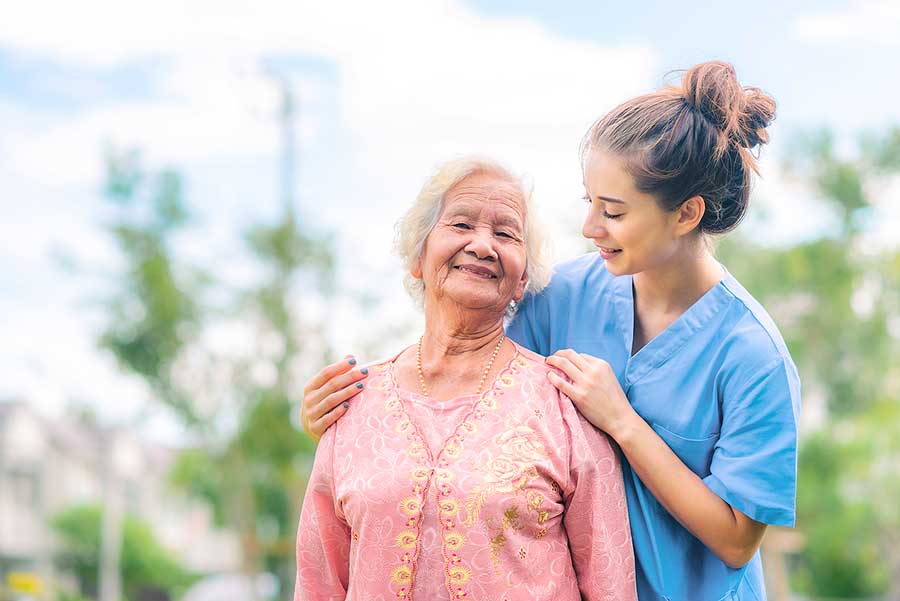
column 534, row 365
column 532, row 360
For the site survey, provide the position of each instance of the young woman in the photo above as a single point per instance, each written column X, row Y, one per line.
column 663, row 349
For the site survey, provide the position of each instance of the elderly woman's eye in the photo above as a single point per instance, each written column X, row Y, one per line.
column 505, row 235
column 463, row 226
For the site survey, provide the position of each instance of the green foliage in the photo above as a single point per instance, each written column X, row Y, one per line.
column 67, row 596
column 248, row 473
column 841, row 556
column 144, row 562
column 153, row 313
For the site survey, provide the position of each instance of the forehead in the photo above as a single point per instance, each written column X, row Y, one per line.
column 606, row 170
column 478, row 189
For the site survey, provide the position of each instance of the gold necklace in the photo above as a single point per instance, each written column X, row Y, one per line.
column 484, row 374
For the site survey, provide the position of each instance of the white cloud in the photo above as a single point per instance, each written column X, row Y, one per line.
column 871, row 23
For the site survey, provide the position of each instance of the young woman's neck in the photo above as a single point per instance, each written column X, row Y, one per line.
column 678, row 283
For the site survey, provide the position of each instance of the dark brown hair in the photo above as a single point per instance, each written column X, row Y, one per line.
column 689, row 140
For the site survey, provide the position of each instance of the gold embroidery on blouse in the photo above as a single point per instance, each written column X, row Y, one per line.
column 406, row 539
column 508, row 472
column 449, row 507
column 410, row 506
column 509, row 521
column 454, row 541
column 535, row 504
column 514, row 459
column 402, row 575
column 443, row 475
column 496, row 545
column 459, row 575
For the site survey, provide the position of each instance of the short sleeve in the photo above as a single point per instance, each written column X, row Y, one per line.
column 527, row 328
column 323, row 537
column 754, row 464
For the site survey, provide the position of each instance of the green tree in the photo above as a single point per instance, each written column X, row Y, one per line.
column 249, row 462
column 153, row 314
column 144, row 561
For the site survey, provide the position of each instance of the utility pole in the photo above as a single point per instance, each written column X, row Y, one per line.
column 110, row 525
column 288, row 146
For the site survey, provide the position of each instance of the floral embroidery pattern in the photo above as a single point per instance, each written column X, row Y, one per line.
column 510, row 521
column 510, row 471
column 427, row 471
column 403, row 576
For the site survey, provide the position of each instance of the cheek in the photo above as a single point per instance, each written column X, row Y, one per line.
column 519, row 266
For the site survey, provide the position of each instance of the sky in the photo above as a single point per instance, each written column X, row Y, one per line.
column 386, row 91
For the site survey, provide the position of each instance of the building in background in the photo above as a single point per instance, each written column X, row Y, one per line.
column 48, row 465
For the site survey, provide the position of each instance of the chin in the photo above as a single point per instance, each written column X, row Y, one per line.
column 615, row 269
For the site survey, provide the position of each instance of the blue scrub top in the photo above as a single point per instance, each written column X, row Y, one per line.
column 718, row 386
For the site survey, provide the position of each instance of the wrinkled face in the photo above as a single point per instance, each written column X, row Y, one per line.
column 475, row 255
column 628, row 227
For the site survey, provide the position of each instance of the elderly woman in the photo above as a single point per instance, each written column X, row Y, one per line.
column 459, row 471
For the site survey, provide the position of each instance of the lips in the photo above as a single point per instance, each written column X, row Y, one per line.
column 608, row 253
column 477, row 270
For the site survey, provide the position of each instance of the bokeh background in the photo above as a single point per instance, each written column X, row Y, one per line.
column 197, row 210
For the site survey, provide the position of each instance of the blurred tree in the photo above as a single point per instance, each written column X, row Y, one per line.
column 250, row 462
column 144, row 561
column 835, row 299
column 153, row 313
column 835, row 295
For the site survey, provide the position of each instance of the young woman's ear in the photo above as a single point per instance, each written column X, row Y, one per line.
column 689, row 214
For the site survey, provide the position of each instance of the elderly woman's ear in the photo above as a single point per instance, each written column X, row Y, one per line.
column 520, row 289
column 415, row 270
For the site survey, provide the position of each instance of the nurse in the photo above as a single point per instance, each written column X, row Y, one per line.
column 664, row 350
column 661, row 347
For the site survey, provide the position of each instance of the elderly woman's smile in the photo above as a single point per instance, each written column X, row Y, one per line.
column 476, row 270
column 475, row 256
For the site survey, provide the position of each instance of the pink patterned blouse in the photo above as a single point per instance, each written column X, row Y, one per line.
column 510, row 496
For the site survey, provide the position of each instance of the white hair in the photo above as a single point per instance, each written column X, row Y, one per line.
column 412, row 230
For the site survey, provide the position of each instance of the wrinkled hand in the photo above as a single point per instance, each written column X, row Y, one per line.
column 325, row 395
column 593, row 387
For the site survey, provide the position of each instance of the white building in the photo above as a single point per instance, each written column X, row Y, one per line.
column 47, row 465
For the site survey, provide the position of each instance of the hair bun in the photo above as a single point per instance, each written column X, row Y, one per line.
column 741, row 113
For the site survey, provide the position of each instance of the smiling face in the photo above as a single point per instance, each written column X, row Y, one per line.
column 475, row 255
column 628, row 227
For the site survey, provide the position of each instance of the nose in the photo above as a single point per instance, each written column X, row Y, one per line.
column 481, row 245
column 594, row 227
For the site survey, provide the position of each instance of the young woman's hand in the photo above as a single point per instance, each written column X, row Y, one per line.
column 593, row 387
column 325, row 395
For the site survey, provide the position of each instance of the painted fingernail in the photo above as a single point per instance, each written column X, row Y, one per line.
column 346, row 405
column 364, row 371
column 359, row 385
column 351, row 361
